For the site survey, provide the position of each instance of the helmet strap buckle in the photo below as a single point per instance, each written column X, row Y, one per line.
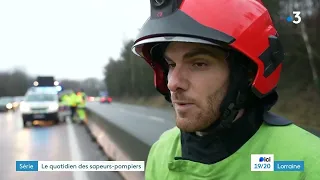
column 230, row 113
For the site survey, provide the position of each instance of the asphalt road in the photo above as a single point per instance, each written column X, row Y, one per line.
column 145, row 123
column 63, row 142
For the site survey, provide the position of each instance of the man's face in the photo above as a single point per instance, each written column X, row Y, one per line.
column 198, row 80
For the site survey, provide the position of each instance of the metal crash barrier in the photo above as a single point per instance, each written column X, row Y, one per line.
column 117, row 144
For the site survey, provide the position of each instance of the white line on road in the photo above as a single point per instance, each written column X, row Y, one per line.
column 75, row 152
column 154, row 118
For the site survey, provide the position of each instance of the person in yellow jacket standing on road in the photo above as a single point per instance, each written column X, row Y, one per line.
column 64, row 104
column 73, row 105
column 65, row 100
column 81, row 106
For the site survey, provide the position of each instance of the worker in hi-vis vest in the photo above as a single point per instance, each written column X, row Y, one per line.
column 218, row 62
column 65, row 100
column 81, row 106
column 73, row 105
column 64, row 104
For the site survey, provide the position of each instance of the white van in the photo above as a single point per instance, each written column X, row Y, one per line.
column 40, row 106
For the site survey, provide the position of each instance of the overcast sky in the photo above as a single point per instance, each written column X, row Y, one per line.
column 66, row 38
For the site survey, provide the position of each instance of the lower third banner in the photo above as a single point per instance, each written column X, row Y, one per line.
column 80, row 165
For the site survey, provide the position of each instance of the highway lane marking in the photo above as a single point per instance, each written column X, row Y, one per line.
column 154, row 118
column 75, row 152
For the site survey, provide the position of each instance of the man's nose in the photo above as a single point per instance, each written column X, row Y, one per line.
column 177, row 79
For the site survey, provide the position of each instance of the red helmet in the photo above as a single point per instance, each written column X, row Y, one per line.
column 243, row 25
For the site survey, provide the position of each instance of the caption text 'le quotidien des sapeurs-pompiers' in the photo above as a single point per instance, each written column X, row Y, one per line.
column 80, row 165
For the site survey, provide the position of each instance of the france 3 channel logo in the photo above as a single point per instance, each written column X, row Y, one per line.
column 296, row 19
column 262, row 162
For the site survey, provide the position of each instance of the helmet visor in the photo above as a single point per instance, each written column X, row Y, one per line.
column 137, row 48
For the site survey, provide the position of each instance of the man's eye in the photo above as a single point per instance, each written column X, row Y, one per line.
column 171, row 65
column 200, row 64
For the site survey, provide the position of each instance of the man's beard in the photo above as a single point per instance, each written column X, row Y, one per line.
column 205, row 117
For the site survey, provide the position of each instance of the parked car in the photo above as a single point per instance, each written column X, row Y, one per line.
column 7, row 103
column 40, row 106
